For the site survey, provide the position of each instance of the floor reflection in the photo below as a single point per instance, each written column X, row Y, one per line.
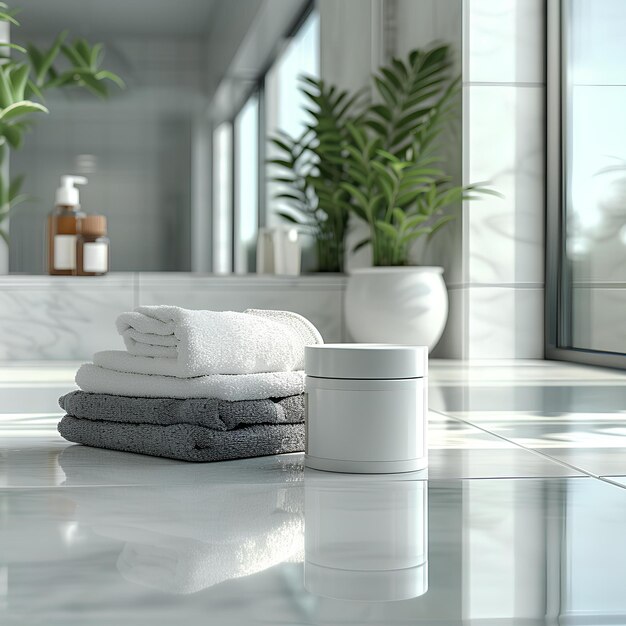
column 366, row 536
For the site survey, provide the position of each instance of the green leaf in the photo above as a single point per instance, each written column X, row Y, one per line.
column 21, row 108
column 12, row 134
column 281, row 144
column 94, row 85
column 415, row 234
column 35, row 57
column 48, row 59
column 357, row 194
column 382, row 111
column 399, row 216
column 73, row 56
column 106, row 75
column 95, row 56
column 298, row 197
column 415, row 220
column 288, row 217
column 13, row 46
column 359, row 136
column 6, row 90
column 82, row 48
column 385, row 92
column 376, row 126
column 393, row 82
column 7, row 17
column 387, row 229
column 281, row 163
column 15, row 186
column 19, row 78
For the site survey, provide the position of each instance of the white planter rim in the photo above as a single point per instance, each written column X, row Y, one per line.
column 392, row 269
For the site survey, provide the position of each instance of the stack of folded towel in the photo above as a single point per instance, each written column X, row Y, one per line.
column 195, row 385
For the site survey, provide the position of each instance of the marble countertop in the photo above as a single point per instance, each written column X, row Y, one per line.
column 519, row 519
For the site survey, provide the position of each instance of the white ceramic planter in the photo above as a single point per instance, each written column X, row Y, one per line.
column 401, row 305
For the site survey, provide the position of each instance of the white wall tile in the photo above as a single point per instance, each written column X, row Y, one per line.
column 505, row 146
column 67, row 319
column 505, row 40
column 505, row 323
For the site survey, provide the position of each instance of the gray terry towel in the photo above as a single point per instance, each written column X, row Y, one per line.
column 185, row 442
column 207, row 412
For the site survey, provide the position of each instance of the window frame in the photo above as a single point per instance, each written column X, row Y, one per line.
column 558, row 291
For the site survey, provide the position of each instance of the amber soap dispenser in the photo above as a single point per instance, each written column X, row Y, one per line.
column 63, row 227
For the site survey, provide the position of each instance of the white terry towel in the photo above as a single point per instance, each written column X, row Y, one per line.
column 95, row 379
column 171, row 341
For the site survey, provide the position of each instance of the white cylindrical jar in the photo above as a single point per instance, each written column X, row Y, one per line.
column 367, row 408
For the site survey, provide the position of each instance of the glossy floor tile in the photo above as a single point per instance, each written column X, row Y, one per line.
column 497, row 530
column 573, row 414
column 314, row 548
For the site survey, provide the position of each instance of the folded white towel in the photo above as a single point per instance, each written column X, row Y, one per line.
column 188, row 343
column 97, row 379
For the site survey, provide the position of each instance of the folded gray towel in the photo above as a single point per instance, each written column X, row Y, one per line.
column 210, row 413
column 186, row 442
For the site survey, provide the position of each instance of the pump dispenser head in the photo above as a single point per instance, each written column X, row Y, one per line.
column 67, row 194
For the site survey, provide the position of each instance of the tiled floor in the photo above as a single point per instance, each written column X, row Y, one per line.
column 520, row 519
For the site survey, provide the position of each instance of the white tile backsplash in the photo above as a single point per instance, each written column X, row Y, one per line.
column 61, row 318
column 322, row 303
column 64, row 319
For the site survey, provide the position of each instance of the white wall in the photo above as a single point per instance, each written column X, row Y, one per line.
column 493, row 255
column 142, row 141
column 500, row 299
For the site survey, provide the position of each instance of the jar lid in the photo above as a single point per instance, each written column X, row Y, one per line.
column 94, row 225
column 366, row 360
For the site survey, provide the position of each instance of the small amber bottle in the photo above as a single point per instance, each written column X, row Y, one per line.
column 92, row 246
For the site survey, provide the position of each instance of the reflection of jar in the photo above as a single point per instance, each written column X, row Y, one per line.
column 366, row 537
column 92, row 246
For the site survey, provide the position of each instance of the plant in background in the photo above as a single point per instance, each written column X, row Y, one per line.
column 23, row 83
column 399, row 186
column 312, row 169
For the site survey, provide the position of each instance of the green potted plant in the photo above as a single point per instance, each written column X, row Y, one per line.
column 310, row 170
column 399, row 187
column 23, row 81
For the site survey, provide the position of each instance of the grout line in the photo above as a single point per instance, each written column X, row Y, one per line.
column 503, row 83
column 607, row 479
column 519, row 445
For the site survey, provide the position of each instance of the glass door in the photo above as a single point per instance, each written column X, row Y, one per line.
column 586, row 284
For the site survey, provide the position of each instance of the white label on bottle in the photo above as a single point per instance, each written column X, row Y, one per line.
column 95, row 257
column 65, row 252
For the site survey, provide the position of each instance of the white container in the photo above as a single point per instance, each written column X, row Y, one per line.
column 367, row 408
column 366, row 537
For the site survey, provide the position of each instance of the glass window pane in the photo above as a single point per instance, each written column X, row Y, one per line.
column 246, row 185
column 284, row 103
column 222, row 199
column 595, row 161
